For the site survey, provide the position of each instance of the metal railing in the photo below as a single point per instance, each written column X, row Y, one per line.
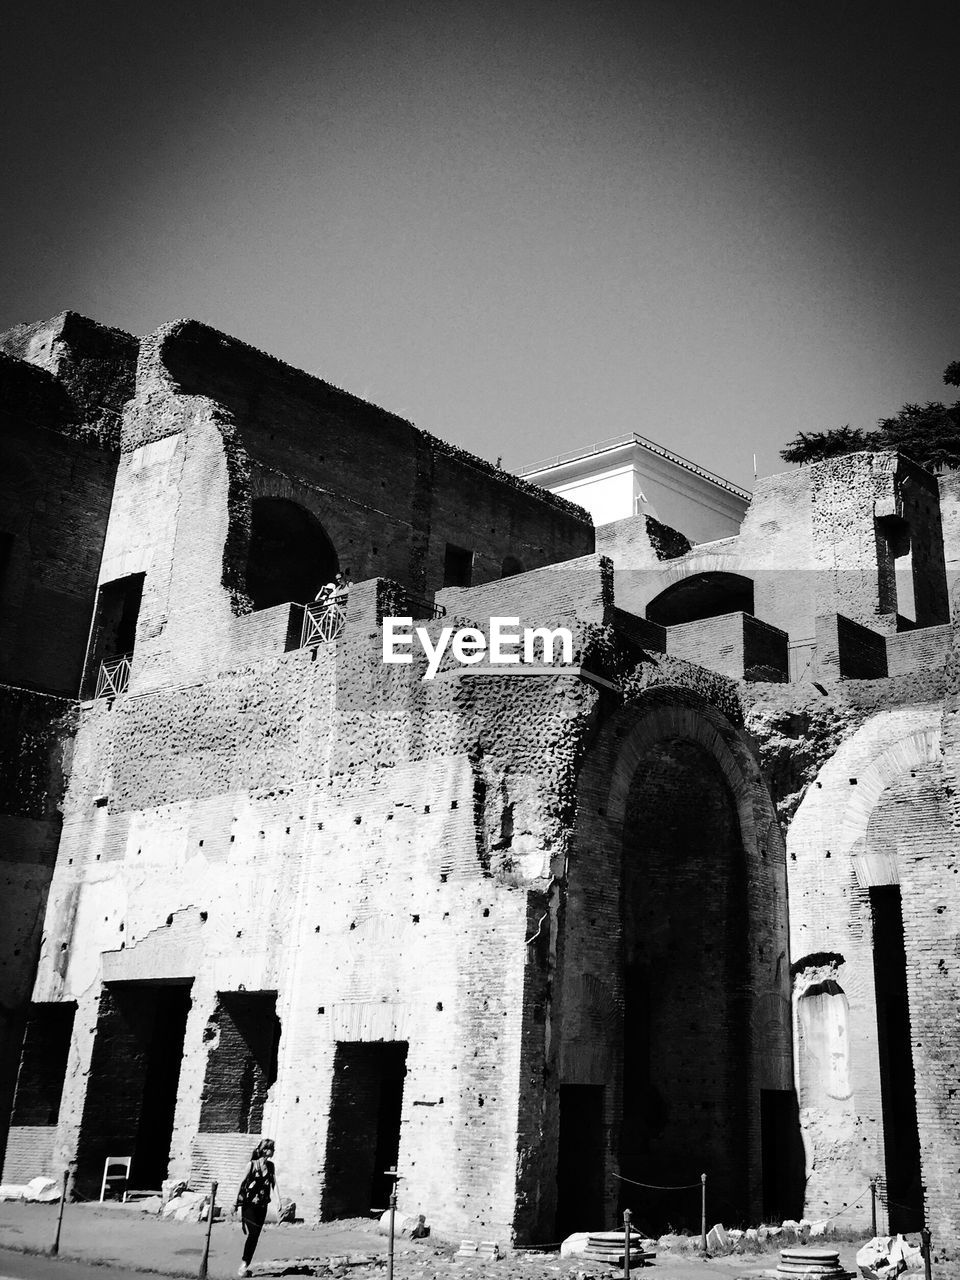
column 321, row 623
column 419, row 609
column 114, row 676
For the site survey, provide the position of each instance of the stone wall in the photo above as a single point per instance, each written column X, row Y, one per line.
column 55, row 494
column 35, row 733
column 875, row 819
column 484, row 924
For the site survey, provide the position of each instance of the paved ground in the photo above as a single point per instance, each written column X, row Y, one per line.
column 128, row 1242
column 28, row 1266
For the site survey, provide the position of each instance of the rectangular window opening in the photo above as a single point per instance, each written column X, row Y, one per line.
column 113, row 636
column 457, row 566
column 895, row 568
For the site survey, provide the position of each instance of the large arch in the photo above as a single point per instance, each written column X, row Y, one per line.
column 290, row 555
column 868, row 850
column 675, row 912
column 706, row 594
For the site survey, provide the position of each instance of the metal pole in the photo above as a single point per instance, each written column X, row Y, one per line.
column 873, row 1206
column 925, row 1249
column 206, row 1248
column 63, row 1199
column 626, row 1244
column 391, row 1173
column 703, row 1213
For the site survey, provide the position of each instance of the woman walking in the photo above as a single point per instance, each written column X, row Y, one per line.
column 253, row 1199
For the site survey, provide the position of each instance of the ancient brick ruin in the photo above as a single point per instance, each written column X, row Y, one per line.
column 686, row 904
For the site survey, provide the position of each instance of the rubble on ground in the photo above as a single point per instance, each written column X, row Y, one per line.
column 37, row 1191
column 884, row 1257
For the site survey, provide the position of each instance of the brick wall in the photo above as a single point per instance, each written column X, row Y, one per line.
column 919, row 650
column 391, row 497
column 54, row 501
column 734, row 644
column 241, row 1062
column 879, row 809
column 845, row 649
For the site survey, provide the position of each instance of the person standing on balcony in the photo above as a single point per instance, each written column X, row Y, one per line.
column 335, row 591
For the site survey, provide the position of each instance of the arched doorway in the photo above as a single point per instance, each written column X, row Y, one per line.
column 673, row 1007
column 702, row 595
column 686, row 1019
column 290, row 555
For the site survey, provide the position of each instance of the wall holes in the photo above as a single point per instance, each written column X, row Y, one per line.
column 454, row 804
column 853, row 782
column 486, row 911
column 426, row 808
column 415, row 919
column 203, row 917
column 439, row 1006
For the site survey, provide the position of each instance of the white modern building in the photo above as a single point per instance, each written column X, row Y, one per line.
column 629, row 475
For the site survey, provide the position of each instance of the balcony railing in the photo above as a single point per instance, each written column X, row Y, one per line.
column 321, row 623
column 114, row 676
column 419, row 609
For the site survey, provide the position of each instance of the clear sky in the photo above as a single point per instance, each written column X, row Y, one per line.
column 525, row 225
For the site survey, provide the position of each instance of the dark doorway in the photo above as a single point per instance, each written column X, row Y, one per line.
column 685, row 973
column 363, row 1136
column 132, row 1086
column 457, row 566
column 43, row 1064
column 781, row 1151
column 290, row 555
column 244, row 1034
column 580, row 1159
column 901, row 1138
